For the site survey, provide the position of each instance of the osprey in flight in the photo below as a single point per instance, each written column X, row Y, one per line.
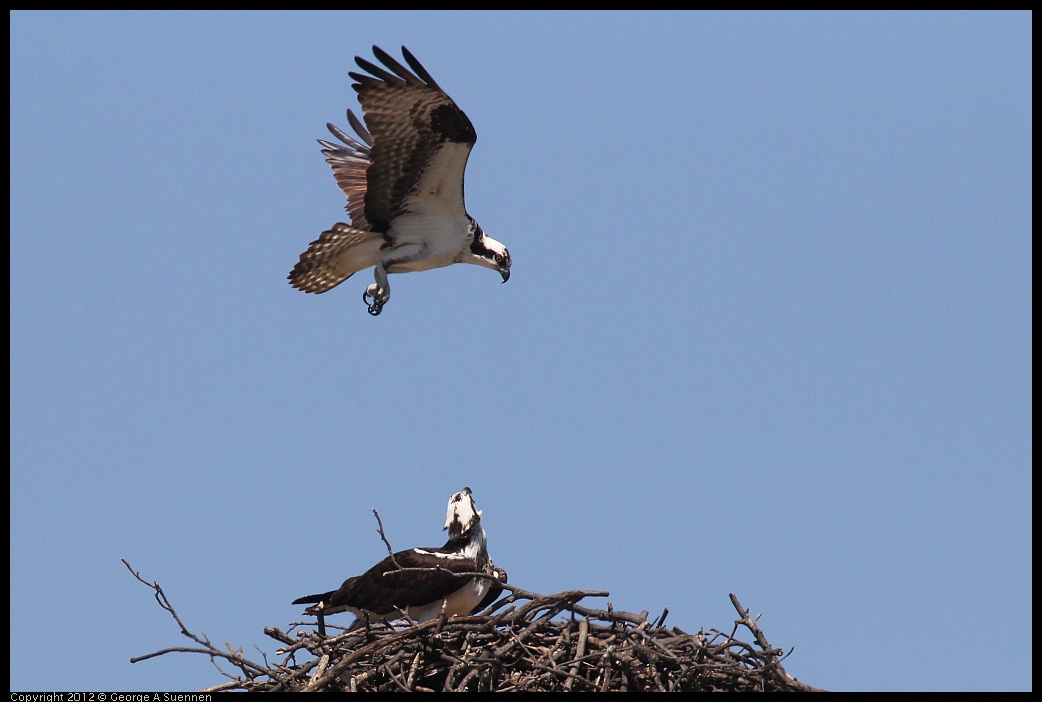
column 419, row 582
column 403, row 178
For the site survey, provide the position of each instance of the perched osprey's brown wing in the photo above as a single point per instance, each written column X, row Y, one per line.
column 410, row 120
column 384, row 588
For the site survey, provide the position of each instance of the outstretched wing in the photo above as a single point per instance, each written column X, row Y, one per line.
column 350, row 162
column 410, row 120
column 334, row 257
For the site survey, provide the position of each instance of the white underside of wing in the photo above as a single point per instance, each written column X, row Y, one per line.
column 439, row 193
column 434, row 217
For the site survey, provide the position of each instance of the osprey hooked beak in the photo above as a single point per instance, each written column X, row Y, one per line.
column 503, row 264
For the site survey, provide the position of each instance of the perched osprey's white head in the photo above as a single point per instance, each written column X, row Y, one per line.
column 423, row 582
column 462, row 515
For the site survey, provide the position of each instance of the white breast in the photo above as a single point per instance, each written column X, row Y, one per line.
column 458, row 604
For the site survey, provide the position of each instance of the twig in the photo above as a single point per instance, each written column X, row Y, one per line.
column 380, row 531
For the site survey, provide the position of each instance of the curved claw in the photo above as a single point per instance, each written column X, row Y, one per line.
column 376, row 306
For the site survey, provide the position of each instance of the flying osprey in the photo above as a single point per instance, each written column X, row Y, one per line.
column 394, row 587
column 404, row 186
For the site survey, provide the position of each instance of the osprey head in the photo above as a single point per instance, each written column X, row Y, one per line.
column 486, row 251
column 462, row 514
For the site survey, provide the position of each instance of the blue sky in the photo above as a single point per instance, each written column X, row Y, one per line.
column 768, row 332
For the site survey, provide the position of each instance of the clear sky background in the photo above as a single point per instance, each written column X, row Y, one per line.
column 768, row 333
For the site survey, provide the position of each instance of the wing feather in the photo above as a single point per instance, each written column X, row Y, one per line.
column 409, row 118
column 385, row 587
column 334, row 257
column 359, row 128
column 349, row 162
column 418, row 68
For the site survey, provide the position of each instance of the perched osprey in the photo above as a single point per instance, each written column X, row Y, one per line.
column 394, row 587
column 404, row 186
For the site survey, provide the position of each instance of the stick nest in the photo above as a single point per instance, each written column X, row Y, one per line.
column 523, row 642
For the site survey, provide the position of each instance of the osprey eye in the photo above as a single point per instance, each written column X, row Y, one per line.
column 499, row 258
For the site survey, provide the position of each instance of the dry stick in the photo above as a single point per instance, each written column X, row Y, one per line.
column 580, row 651
column 380, row 531
column 751, row 626
column 279, row 636
column 461, row 686
column 160, row 596
column 411, row 679
column 230, row 685
column 774, row 664
column 393, row 639
column 323, row 663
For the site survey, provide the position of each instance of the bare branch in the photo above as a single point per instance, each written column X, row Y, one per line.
column 380, row 531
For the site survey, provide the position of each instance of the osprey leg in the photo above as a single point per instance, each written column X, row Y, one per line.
column 380, row 291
